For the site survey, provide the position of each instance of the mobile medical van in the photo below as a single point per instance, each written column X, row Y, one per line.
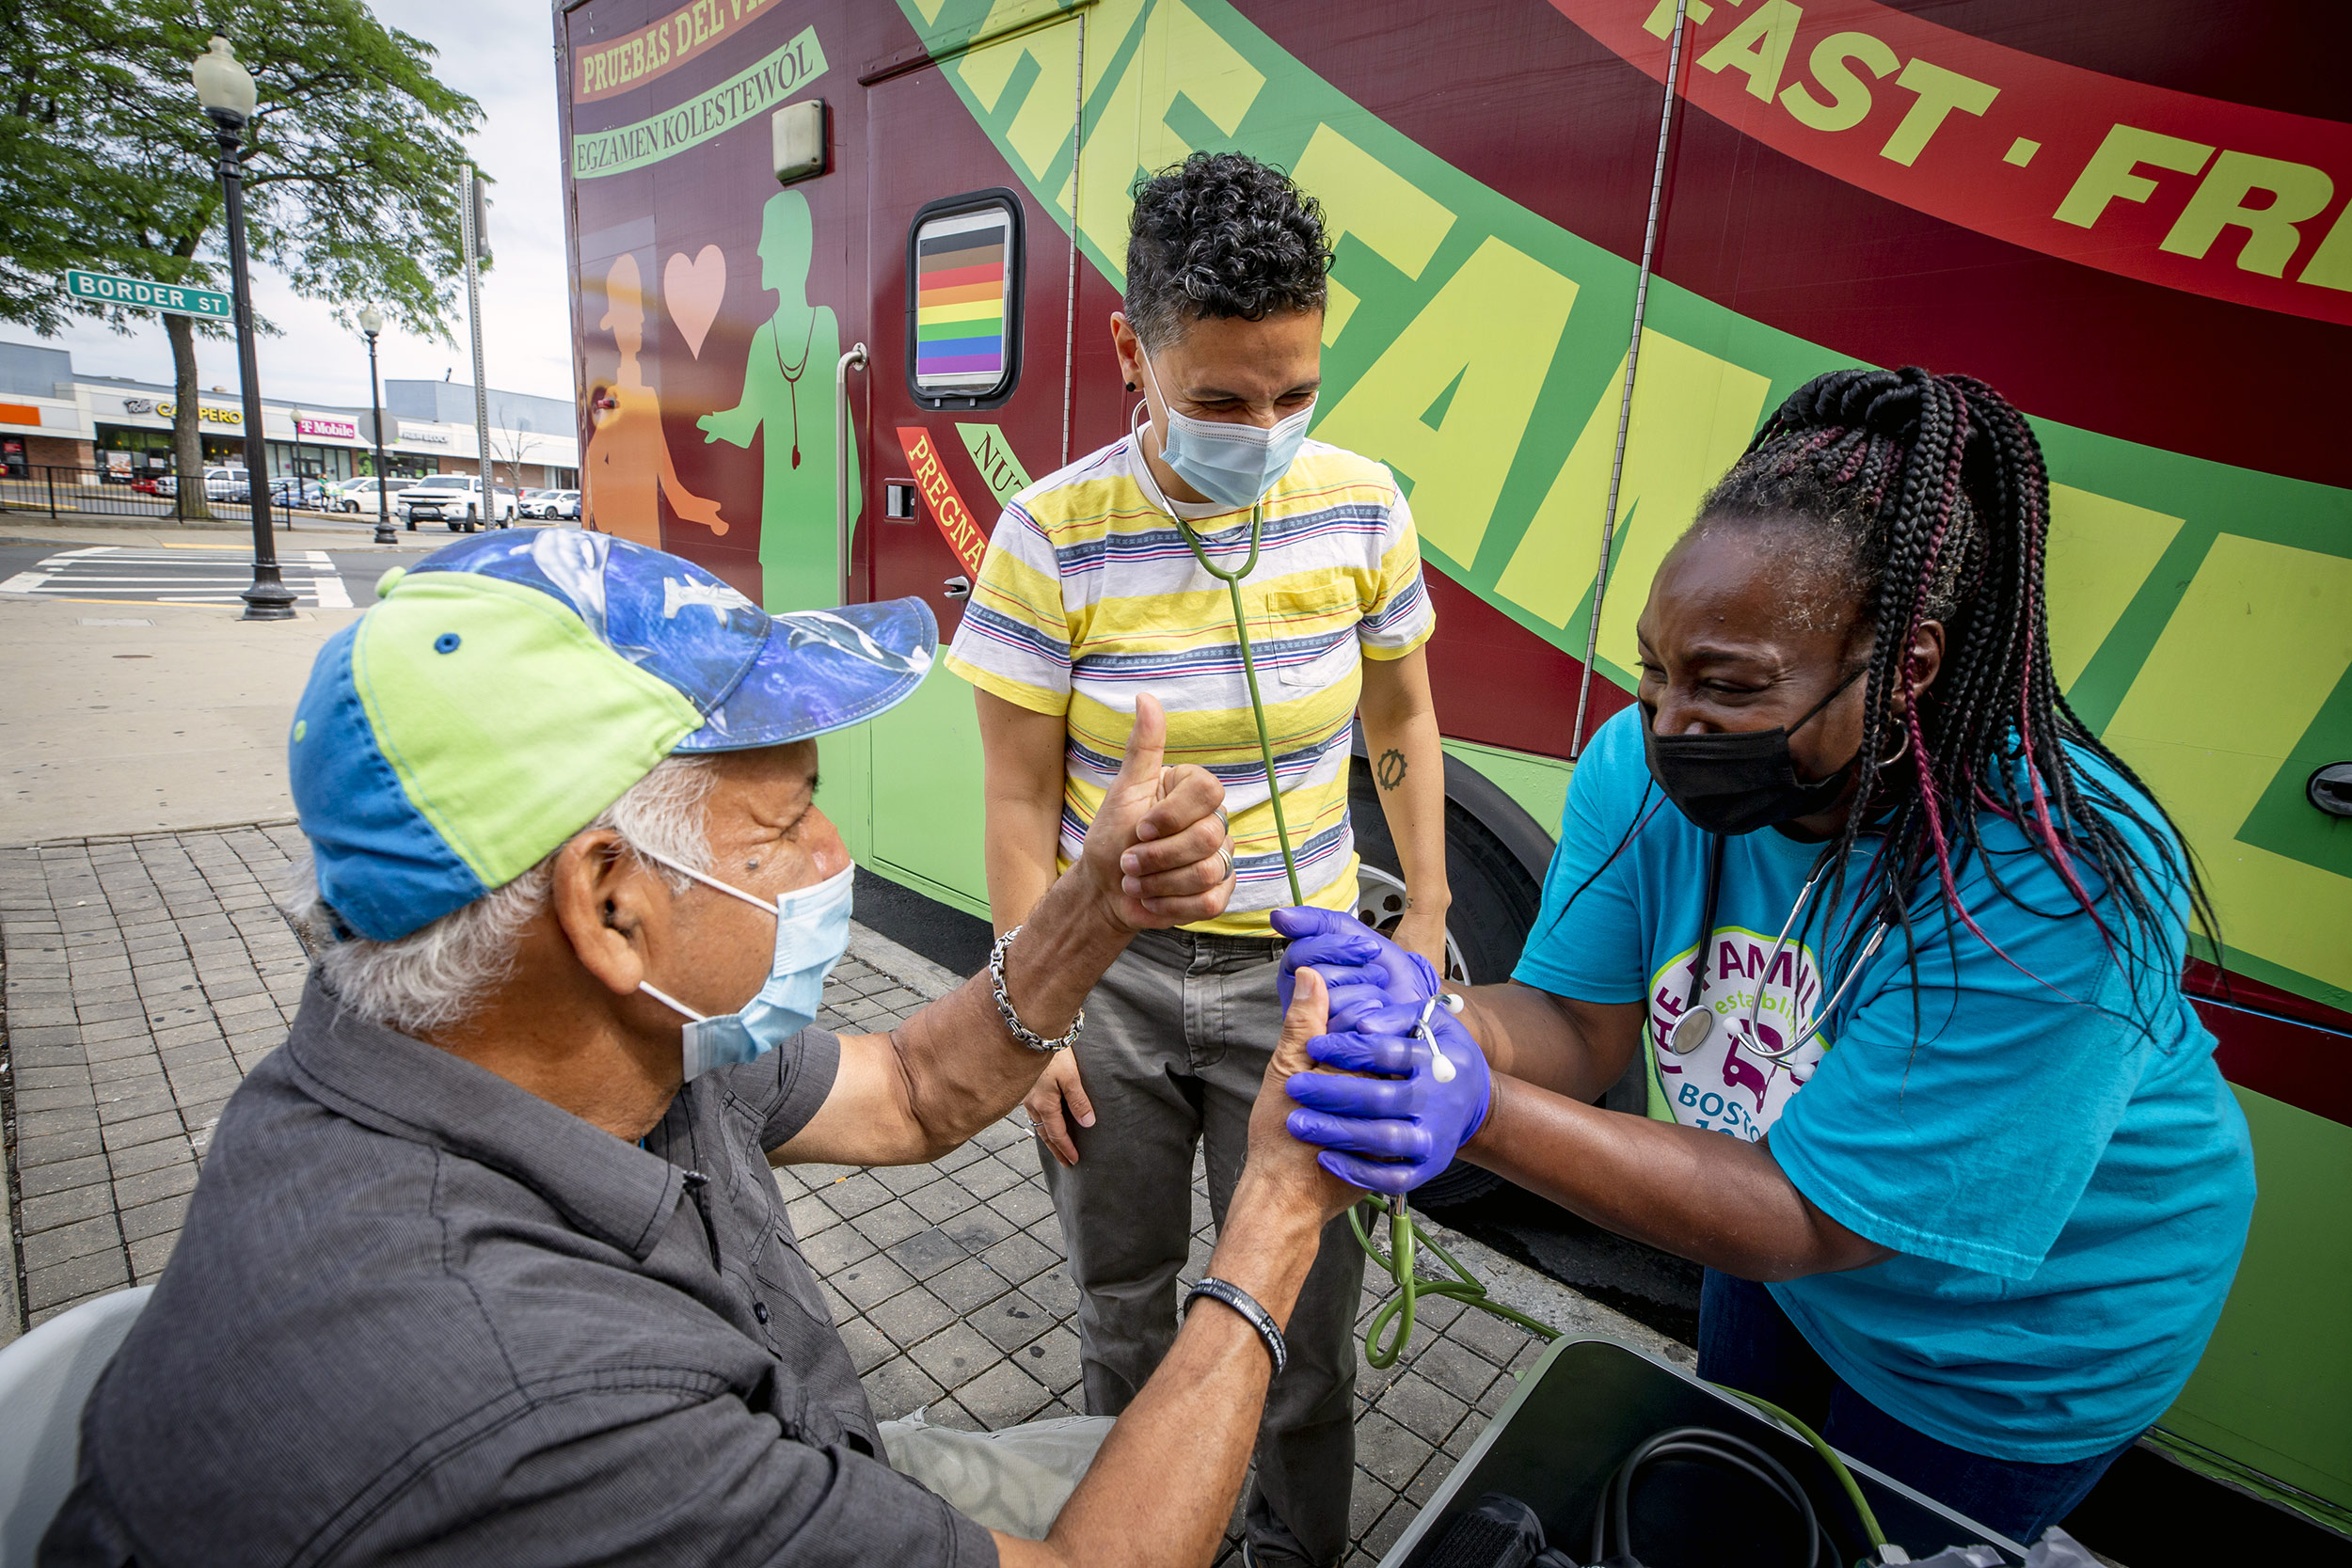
column 842, row 270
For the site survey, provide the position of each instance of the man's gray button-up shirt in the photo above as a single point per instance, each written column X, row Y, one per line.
column 420, row 1314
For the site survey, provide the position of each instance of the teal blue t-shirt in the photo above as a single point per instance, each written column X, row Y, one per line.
column 2042, row 1137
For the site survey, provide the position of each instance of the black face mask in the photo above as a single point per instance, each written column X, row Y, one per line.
column 1736, row 783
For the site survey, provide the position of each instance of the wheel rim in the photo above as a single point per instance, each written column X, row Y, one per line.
column 1380, row 904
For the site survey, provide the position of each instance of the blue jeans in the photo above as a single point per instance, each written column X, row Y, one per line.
column 1747, row 1341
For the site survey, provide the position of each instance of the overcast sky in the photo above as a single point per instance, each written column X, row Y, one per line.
column 501, row 53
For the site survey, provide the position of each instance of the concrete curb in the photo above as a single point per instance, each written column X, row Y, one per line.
column 160, row 525
column 287, row 819
column 63, row 537
column 12, row 1305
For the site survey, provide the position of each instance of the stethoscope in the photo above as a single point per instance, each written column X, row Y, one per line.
column 1693, row 1029
column 1393, row 1325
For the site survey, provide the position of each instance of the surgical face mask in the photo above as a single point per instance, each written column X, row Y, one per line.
column 1735, row 784
column 812, row 933
column 1233, row 464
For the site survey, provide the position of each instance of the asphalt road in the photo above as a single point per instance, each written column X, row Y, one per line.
column 175, row 574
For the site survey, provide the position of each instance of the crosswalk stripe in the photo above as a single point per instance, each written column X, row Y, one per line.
column 171, row 574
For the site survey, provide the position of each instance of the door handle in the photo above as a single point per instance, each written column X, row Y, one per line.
column 956, row 587
column 853, row 360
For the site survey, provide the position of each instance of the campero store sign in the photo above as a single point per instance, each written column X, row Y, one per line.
column 741, row 97
column 203, row 415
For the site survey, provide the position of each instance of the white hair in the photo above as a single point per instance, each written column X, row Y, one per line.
column 438, row 975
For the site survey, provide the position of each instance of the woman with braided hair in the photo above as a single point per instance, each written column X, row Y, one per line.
column 1874, row 903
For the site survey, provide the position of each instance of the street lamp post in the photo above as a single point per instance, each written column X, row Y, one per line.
column 225, row 89
column 372, row 322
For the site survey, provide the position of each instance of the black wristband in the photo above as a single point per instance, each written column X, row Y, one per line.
column 1246, row 1305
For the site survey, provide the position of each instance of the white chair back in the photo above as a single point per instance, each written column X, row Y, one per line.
column 46, row 1379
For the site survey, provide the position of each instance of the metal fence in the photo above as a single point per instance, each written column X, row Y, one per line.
column 66, row 493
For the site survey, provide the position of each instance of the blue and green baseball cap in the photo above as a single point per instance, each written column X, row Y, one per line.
column 508, row 688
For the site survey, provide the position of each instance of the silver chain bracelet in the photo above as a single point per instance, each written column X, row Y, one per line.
column 1019, row 1031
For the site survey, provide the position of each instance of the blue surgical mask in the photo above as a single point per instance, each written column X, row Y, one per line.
column 812, row 933
column 1234, row 464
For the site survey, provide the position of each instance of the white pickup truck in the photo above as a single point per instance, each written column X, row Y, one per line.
column 454, row 500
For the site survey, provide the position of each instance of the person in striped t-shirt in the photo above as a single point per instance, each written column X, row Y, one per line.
column 1091, row 597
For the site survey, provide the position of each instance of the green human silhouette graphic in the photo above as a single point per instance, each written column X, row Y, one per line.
column 787, row 389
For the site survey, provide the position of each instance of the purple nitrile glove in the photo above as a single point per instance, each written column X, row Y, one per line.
column 1392, row 1132
column 1362, row 967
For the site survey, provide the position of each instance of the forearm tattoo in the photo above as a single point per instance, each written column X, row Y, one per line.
column 1390, row 771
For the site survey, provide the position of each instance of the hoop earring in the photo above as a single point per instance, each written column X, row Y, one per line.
column 1902, row 748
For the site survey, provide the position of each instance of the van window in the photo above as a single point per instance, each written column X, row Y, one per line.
column 963, row 300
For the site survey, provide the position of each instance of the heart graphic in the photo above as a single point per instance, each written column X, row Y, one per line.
column 692, row 290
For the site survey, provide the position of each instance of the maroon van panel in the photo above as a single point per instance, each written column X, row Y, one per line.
column 1566, row 128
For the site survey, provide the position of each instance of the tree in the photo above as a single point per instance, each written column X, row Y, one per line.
column 512, row 443
column 511, row 440
column 350, row 164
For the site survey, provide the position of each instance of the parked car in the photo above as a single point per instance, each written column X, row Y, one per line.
column 551, row 504
column 220, row 484
column 454, row 500
column 298, row 490
column 358, row 495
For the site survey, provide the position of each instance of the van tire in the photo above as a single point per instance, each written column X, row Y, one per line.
column 1495, row 905
column 1495, row 900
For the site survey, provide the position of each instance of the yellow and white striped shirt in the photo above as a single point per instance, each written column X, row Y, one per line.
column 1090, row 594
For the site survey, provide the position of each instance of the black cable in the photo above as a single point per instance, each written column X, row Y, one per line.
column 1719, row 1448
column 1794, row 1496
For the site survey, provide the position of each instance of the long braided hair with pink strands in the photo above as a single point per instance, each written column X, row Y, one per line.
column 1931, row 498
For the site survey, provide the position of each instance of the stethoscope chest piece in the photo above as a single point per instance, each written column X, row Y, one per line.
column 1689, row 1031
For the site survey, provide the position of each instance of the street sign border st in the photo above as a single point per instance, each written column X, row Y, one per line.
column 207, row 304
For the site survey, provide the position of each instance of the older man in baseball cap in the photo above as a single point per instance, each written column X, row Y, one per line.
column 486, row 1264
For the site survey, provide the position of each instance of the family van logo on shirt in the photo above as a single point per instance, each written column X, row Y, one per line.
column 1725, row 1085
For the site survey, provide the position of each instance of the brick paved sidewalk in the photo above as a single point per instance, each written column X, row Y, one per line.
column 146, row 976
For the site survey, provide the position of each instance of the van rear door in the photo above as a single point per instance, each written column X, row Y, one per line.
column 967, row 390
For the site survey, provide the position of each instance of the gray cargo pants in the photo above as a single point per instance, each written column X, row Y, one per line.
column 1177, row 1038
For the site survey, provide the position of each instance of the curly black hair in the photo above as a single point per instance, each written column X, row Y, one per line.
column 1221, row 234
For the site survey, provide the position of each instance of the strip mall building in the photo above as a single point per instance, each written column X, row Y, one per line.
column 50, row 416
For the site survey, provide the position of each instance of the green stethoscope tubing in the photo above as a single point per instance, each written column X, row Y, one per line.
column 1381, row 1346
column 1405, row 1239
column 1870, row 1530
column 1249, row 673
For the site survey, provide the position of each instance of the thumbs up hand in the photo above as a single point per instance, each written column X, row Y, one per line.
column 1157, row 852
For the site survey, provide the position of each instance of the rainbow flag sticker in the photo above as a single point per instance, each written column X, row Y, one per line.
column 960, row 288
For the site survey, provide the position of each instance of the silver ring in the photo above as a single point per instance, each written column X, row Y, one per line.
column 1227, row 854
